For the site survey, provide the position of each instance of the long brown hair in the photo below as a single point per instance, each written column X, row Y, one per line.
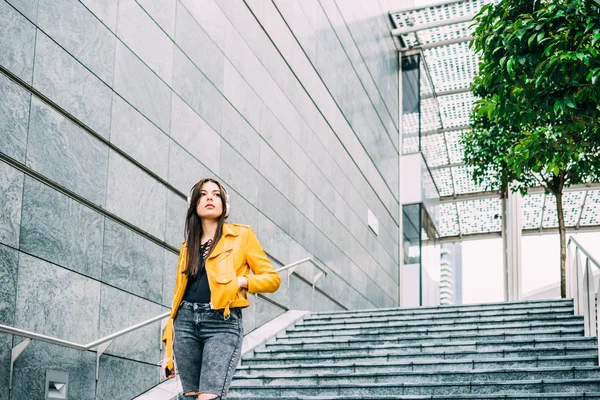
column 193, row 228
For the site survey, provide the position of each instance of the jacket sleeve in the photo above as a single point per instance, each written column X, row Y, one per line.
column 168, row 341
column 265, row 278
column 168, row 333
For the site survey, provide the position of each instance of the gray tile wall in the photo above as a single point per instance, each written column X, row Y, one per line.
column 292, row 104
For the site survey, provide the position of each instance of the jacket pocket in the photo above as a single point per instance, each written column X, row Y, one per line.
column 225, row 288
column 224, row 278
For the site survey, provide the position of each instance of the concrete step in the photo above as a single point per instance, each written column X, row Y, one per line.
column 510, row 374
column 423, row 355
column 476, row 316
column 403, row 389
column 433, row 338
column 373, row 349
column 342, row 367
column 445, row 323
column 528, row 396
column 520, row 305
column 421, row 331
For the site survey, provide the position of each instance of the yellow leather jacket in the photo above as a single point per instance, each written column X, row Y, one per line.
column 236, row 254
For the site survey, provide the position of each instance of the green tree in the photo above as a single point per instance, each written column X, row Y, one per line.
column 537, row 120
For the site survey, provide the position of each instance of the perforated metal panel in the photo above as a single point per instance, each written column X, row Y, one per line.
column 410, row 145
column 531, row 211
column 448, row 220
column 434, row 150
column 455, row 149
column 456, row 109
column 443, row 180
column 591, row 209
column 480, row 216
column 463, row 181
column 572, row 202
column 451, row 67
column 438, row 13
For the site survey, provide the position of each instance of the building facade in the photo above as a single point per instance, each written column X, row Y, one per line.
column 112, row 110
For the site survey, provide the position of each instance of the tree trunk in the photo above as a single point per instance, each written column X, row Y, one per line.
column 563, row 244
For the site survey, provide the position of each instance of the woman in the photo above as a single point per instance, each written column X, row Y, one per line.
column 204, row 331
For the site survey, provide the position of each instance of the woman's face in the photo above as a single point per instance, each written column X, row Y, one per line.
column 210, row 204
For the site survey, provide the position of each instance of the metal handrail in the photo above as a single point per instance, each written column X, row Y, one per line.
column 103, row 343
column 581, row 287
column 290, row 268
column 584, row 251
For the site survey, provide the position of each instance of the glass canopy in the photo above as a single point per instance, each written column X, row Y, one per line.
column 438, row 36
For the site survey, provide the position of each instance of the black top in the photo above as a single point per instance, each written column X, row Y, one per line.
column 197, row 290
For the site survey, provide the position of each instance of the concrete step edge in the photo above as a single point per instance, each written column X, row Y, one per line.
column 440, row 372
column 431, row 312
column 425, row 354
column 348, row 325
column 486, row 306
column 414, row 337
column 398, row 330
column 493, row 396
column 420, row 362
column 432, row 317
column 438, row 384
column 388, row 346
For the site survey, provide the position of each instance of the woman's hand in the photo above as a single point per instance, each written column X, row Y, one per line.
column 163, row 369
column 242, row 282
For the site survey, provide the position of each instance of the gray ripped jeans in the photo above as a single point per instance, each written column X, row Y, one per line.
column 207, row 348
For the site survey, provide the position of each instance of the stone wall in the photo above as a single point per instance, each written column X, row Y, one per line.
column 111, row 109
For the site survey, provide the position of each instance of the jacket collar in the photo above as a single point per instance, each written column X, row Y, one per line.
column 228, row 230
column 224, row 245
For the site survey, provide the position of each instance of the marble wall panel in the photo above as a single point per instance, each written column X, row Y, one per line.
column 17, row 37
column 66, row 154
column 30, row 371
column 199, row 47
column 79, row 32
column 120, row 310
column 135, row 196
column 195, row 135
column 14, row 117
column 11, row 200
column 132, row 262
column 71, row 85
column 134, row 134
column 145, row 38
column 141, row 87
column 124, row 379
column 9, row 261
column 67, row 307
column 61, row 230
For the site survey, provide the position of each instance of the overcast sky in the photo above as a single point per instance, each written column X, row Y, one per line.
column 482, row 264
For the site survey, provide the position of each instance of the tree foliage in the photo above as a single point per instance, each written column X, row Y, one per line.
column 539, row 85
column 537, row 120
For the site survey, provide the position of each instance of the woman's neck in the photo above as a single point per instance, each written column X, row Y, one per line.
column 209, row 228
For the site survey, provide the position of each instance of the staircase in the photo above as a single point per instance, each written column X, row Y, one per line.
column 521, row 350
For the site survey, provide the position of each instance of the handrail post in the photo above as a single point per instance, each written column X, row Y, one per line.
column 569, row 271
column 315, row 279
column 15, row 353
column 597, row 313
column 578, row 284
column 290, row 271
column 101, row 349
column 589, row 300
